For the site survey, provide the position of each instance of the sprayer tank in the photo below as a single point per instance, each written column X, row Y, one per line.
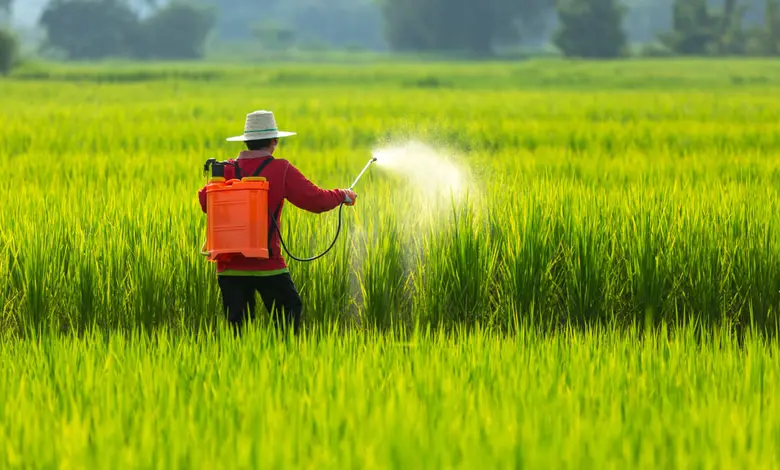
column 237, row 218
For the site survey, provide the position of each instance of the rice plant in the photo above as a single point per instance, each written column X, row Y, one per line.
column 568, row 299
column 612, row 206
column 574, row 399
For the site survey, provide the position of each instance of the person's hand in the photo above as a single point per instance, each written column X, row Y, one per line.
column 349, row 197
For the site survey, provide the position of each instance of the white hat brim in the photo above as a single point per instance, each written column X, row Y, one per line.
column 260, row 136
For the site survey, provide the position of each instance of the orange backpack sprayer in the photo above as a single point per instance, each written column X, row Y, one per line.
column 237, row 216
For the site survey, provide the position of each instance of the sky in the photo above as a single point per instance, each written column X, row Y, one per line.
column 26, row 12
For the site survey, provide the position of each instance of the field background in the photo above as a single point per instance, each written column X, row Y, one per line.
column 626, row 192
column 597, row 199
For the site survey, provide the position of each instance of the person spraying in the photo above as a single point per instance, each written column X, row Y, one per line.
column 240, row 277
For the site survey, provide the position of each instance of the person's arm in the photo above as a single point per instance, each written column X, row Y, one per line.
column 305, row 195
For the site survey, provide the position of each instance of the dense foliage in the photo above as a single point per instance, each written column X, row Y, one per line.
column 89, row 29
column 93, row 29
column 9, row 50
column 591, row 28
column 574, row 206
column 596, row 400
column 459, row 25
column 562, row 223
column 699, row 29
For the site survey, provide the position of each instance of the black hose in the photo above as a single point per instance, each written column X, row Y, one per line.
column 338, row 231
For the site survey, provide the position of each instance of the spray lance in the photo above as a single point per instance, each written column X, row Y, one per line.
column 361, row 173
column 239, row 198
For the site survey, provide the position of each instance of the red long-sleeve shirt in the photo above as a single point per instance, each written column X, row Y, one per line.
column 286, row 182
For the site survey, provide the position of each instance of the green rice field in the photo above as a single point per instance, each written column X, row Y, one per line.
column 551, row 265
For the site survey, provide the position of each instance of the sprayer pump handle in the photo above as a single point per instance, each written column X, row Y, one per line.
column 208, row 163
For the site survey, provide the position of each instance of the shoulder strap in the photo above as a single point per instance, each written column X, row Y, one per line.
column 235, row 166
column 272, row 222
column 262, row 166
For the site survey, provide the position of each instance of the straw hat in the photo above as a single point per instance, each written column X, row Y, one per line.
column 260, row 125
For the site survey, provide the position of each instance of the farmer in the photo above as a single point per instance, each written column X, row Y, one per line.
column 240, row 277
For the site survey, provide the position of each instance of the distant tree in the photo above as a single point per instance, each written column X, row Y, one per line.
column 87, row 29
column 9, row 48
column 699, row 30
column 765, row 40
column 236, row 17
column 459, row 25
column 772, row 28
column 336, row 23
column 96, row 29
column 694, row 28
column 177, row 31
column 273, row 36
column 591, row 28
column 732, row 36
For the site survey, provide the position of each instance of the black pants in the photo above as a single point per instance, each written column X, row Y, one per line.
column 278, row 293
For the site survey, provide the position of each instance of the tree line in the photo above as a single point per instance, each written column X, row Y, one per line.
column 586, row 28
column 179, row 29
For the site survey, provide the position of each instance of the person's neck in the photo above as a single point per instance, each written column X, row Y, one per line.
column 255, row 154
